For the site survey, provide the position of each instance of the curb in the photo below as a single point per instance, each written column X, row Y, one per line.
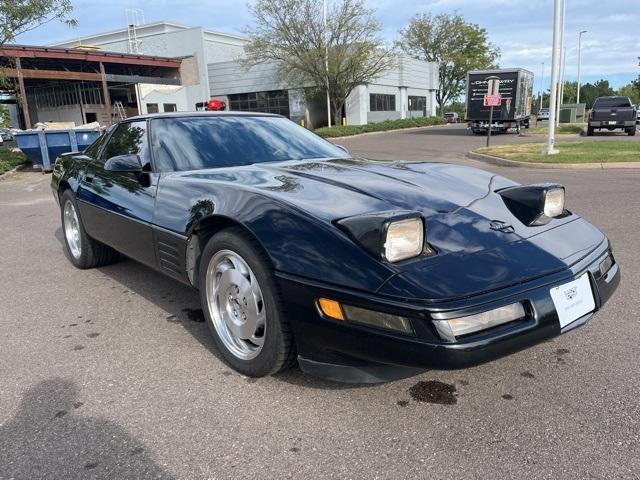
column 13, row 171
column 408, row 129
column 503, row 162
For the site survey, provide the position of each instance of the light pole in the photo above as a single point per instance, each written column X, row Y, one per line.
column 560, row 78
column 579, row 55
column 326, row 59
column 541, row 86
column 554, row 76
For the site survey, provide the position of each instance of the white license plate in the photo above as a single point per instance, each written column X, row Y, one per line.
column 612, row 122
column 573, row 300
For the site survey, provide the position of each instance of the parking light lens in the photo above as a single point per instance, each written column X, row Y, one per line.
column 405, row 239
column 331, row 308
column 457, row 327
column 554, row 202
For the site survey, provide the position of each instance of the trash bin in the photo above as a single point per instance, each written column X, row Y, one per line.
column 42, row 147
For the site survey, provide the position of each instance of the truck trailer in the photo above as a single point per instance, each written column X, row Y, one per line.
column 516, row 89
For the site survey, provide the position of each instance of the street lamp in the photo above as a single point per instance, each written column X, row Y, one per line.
column 541, row 86
column 579, row 49
column 561, row 51
column 326, row 59
column 557, row 11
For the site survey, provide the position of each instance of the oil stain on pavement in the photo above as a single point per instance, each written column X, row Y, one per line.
column 433, row 391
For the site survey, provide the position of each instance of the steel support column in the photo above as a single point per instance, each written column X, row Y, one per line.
column 23, row 94
column 105, row 94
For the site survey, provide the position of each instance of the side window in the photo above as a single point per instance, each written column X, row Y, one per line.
column 168, row 144
column 129, row 138
column 93, row 149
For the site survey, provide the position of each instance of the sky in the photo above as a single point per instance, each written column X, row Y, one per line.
column 522, row 29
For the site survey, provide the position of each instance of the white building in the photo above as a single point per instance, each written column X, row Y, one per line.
column 405, row 91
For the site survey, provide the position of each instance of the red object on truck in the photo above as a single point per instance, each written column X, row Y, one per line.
column 216, row 105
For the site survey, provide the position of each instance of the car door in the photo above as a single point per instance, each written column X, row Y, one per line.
column 117, row 207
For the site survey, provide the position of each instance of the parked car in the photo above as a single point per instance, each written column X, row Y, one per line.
column 452, row 117
column 6, row 135
column 612, row 113
column 543, row 114
column 354, row 268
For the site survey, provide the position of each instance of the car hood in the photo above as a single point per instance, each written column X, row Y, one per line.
column 468, row 224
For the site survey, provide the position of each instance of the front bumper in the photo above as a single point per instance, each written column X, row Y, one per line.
column 344, row 351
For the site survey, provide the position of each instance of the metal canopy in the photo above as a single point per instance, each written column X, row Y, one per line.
column 38, row 66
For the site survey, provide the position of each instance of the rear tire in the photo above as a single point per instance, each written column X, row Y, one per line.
column 82, row 250
column 589, row 131
column 243, row 306
column 631, row 131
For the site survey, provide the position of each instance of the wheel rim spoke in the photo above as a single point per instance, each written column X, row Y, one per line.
column 236, row 304
column 72, row 229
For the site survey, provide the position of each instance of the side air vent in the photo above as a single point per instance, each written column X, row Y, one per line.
column 169, row 257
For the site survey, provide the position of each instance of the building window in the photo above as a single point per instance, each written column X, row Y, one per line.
column 170, row 107
column 379, row 102
column 275, row 101
column 152, row 108
column 417, row 104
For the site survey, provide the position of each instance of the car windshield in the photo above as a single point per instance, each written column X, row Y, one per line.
column 613, row 102
column 193, row 143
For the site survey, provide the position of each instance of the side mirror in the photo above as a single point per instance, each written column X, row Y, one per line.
column 123, row 163
column 344, row 149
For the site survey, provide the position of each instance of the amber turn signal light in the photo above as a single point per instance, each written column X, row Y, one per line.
column 331, row 308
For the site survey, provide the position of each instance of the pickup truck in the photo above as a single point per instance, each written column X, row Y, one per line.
column 612, row 113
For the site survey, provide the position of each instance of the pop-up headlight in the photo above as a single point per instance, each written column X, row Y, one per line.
column 392, row 235
column 534, row 204
column 404, row 239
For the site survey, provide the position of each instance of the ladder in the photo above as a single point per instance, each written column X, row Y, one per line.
column 117, row 112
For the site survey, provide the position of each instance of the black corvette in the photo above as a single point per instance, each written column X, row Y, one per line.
column 358, row 270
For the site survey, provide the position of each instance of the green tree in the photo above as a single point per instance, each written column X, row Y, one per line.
column 5, row 118
column 457, row 46
column 631, row 90
column 570, row 92
column 589, row 92
column 346, row 53
column 20, row 16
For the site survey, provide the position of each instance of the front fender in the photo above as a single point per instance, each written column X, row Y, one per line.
column 296, row 242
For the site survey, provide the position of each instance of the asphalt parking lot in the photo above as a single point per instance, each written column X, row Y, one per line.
column 110, row 373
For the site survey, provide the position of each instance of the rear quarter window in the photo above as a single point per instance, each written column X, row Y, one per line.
column 614, row 102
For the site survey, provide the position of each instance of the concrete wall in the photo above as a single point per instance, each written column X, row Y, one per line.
column 161, row 94
column 68, row 113
column 228, row 78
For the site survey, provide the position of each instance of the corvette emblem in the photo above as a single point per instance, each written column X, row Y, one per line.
column 500, row 226
column 571, row 293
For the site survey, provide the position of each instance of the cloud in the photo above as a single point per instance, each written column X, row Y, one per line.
column 521, row 28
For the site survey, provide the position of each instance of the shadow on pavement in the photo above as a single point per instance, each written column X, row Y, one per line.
column 49, row 437
column 182, row 305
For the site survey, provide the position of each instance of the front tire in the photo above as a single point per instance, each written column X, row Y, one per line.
column 631, row 132
column 82, row 250
column 242, row 305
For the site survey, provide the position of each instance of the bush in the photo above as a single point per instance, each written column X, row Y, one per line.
column 9, row 159
column 339, row 131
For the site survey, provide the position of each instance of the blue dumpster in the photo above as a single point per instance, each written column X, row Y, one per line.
column 42, row 147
